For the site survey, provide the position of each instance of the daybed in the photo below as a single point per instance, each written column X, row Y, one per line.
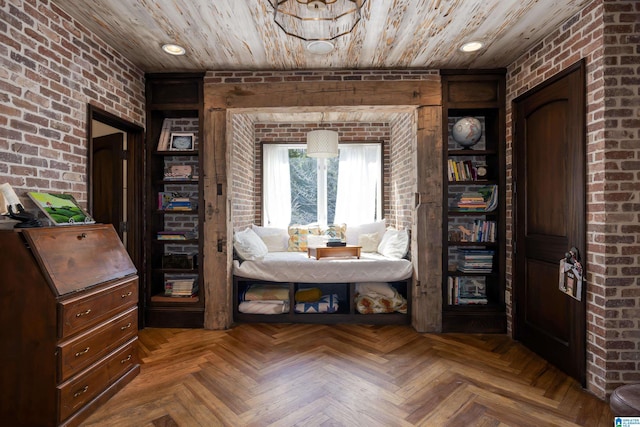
column 275, row 270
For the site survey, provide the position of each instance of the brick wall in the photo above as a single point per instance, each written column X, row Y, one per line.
column 50, row 68
column 402, row 183
column 605, row 33
column 244, row 186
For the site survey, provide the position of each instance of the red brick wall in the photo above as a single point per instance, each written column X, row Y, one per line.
column 50, row 68
column 606, row 34
column 401, row 184
column 244, row 186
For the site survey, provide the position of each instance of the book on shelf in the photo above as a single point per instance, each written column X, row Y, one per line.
column 180, row 286
column 476, row 260
column 481, row 231
column 165, row 133
column 171, row 235
column 466, row 291
column 462, row 170
column 168, row 201
column 484, row 199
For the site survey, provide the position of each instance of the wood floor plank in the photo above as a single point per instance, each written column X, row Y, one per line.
column 343, row 375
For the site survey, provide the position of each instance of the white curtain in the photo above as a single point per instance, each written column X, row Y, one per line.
column 359, row 180
column 277, row 187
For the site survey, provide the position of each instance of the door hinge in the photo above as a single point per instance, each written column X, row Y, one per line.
column 124, row 154
column 124, row 227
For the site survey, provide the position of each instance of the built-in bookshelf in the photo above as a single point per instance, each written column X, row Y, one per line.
column 473, row 288
column 173, row 280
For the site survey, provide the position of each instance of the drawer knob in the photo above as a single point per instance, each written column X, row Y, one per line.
column 128, row 294
column 123, row 361
column 82, row 236
column 84, row 313
column 127, row 326
column 82, row 391
column 80, row 353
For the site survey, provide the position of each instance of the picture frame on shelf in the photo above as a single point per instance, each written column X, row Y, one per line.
column 182, row 141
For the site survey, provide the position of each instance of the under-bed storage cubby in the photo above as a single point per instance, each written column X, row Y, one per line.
column 329, row 303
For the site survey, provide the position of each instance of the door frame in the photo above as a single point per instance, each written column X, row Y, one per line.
column 135, row 174
column 579, row 331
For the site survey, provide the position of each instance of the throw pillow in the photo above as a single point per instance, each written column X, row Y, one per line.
column 354, row 231
column 274, row 245
column 249, row 245
column 394, row 243
column 298, row 236
column 369, row 242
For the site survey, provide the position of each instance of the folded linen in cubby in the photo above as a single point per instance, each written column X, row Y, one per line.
column 265, row 293
column 375, row 298
column 326, row 304
column 263, row 307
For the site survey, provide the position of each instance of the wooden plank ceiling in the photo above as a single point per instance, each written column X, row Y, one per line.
column 241, row 34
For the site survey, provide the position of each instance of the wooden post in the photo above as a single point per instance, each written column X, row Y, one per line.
column 216, row 256
column 427, row 228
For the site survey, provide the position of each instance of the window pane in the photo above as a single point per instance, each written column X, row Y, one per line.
column 332, row 188
column 304, row 187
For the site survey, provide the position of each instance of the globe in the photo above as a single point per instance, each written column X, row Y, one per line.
column 467, row 131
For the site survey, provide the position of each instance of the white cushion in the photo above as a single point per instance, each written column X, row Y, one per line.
column 249, row 245
column 316, row 241
column 369, row 242
column 394, row 244
column 354, row 231
column 268, row 233
column 375, row 288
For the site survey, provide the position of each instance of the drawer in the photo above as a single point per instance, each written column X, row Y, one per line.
column 96, row 343
column 87, row 385
column 95, row 306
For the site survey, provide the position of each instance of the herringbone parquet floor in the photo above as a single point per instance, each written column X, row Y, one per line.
column 344, row 375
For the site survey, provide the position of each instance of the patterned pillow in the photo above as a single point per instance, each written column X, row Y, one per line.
column 298, row 236
column 336, row 230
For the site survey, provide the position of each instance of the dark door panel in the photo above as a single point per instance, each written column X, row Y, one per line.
column 549, row 171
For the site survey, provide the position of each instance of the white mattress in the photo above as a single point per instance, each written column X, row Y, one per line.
column 297, row 267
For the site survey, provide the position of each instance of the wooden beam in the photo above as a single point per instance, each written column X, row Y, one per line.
column 426, row 313
column 342, row 93
column 216, row 257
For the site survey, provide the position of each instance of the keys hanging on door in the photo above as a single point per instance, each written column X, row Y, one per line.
column 571, row 274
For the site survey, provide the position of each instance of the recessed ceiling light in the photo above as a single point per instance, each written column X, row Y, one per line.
column 174, row 49
column 320, row 47
column 471, row 46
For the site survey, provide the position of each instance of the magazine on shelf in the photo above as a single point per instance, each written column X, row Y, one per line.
column 165, row 133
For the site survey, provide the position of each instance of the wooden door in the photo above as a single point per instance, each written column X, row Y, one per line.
column 107, row 181
column 549, row 171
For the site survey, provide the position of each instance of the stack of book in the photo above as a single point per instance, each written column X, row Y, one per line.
column 466, row 291
column 171, row 235
column 485, row 199
column 476, row 260
column 471, row 202
column 182, row 287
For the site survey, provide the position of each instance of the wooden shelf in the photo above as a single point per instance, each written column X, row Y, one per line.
column 487, row 103
column 172, row 96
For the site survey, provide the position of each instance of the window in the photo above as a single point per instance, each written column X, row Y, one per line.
column 301, row 190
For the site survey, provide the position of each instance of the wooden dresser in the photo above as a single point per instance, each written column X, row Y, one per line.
column 69, row 323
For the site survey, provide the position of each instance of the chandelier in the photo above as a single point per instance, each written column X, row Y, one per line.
column 317, row 20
